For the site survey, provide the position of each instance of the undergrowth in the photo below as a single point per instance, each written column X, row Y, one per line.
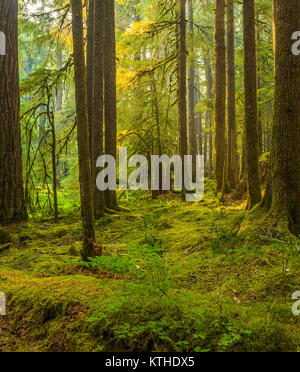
column 174, row 277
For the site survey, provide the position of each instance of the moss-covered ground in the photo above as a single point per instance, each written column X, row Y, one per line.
column 204, row 285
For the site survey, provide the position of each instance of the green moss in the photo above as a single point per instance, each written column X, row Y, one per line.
column 225, row 285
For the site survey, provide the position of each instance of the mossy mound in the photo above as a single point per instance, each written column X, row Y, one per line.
column 48, row 314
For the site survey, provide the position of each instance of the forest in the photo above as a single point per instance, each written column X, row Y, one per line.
column 149, row 176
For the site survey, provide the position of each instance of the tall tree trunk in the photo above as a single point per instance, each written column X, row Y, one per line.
column 285, row 155
column 250, row 82
column 210, row 95
column 205, row 145
column 182, row 104
column 54, row 167
column 231, row 148
column 110, row 91
column 51, row 121
column 243, row 157
column 90, row 71
column 137, row 18
column 192, row 132
column 59, row 103
column 220, row 94
column 259, row 86
column 87, row 208
column 12, row 206
column 59, row 93
column 198, row 117
column 260, row 124
column 268, row 137
column 274, row 30
column 98, row 101
column 156, row 112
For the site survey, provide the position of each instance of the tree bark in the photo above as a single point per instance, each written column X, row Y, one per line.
column 137, row 18
column 12, row 205
column 51, row 121
column 90, row 71
column 182, row 103
column 250, row 82
column 156, row 112
column 87, row 208
column 198, row 117
column 220, row 94
column 231, row 150
column 260, row 124
column 259, row 86
column 59, row 93
column 192, row 132
column 98, row 102
column 243, row 157
column 209, row 124
column 285, row 155
column 110, row 92
column 205, row 142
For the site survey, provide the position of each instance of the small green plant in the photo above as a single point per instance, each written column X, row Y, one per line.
column 151, row 236
column 147, row 309
column 232, row 336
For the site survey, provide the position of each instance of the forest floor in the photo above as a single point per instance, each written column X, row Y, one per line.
column 174, row 277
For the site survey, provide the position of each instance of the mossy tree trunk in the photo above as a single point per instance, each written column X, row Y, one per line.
column 90, row 70
column 285, row 154
column 192, row 132
column 85, row 179
column 243, row 157
column 209, row 123
column 51, row 121
column 158, row 147
column 231, row 151
column 98, row 101
column 110, row 94
column 250, row 83
column 259, row 86
column 182, row 88
column 260, row 62
column 200, row 136
column 12, row 205
column 220, row 94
